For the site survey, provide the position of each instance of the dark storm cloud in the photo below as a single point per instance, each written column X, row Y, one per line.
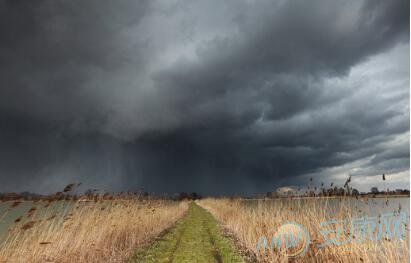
column 212, row 97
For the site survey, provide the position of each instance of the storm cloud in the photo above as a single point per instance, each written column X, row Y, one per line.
column 208, row 96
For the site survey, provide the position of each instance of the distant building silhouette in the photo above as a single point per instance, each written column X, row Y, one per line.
column 285, row 191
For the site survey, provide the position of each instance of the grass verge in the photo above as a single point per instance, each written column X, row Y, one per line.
column 195, row 238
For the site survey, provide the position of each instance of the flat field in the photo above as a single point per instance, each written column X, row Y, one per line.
column 207, row 230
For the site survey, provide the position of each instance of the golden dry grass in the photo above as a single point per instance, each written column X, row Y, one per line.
column 103, row 231
column 249, row 223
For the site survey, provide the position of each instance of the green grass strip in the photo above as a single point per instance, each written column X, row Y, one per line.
column 195, row 238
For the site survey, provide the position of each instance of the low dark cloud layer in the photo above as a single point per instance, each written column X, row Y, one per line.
column 233, row 97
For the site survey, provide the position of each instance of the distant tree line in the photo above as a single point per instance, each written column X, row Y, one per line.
column 70, row 193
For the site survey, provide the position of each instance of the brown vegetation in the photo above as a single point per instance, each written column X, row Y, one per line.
column 75, row 231
column 249, row 222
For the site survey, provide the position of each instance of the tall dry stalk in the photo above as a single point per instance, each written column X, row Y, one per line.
column 249, row 221
column 103, row 231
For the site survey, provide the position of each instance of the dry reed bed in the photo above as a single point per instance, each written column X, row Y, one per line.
column 104, row 231
column 249, row 222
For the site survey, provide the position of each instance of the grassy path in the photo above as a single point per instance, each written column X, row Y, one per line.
column 195, row 238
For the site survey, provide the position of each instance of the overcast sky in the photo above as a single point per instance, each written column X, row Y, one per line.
column 218, row 97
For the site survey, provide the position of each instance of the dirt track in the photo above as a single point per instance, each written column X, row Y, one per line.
column 195, row 238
